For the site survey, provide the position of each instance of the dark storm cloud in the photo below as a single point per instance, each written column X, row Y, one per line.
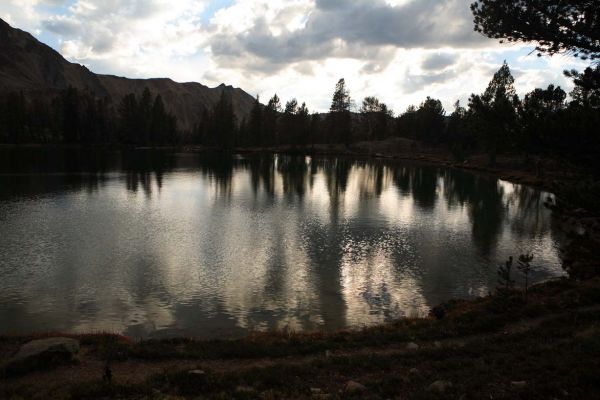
column 338, row 28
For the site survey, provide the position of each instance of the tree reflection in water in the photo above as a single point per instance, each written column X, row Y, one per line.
column 156, row 242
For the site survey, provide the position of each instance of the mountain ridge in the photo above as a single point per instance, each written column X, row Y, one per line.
column 34, row 68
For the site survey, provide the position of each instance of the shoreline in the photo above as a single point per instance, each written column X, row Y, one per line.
column 282, row 364
column 507, row 168
column 500, row 327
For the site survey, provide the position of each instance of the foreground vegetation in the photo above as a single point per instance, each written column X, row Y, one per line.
column 500, row 347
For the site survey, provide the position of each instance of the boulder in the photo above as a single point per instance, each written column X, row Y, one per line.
column 43, row 353
column 439, row 386
column 352, row 387
column 412, row 346
column 244, row 389
column 196, row 372
column 317, row 393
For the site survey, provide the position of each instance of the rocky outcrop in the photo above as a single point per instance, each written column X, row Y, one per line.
column 43, row 353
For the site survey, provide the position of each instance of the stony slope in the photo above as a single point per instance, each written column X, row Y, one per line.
column 36, row 69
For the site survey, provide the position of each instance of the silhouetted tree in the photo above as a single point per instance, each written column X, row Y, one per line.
column 271, row 118
column 430, row 120
column 38, row 120
column 494, row 112
column 256, row 123
column 303, row 125
column 290, row 131
column 316, row 129
column 578, row 135
column 587, row 87
column 242, row 134
column 375, row 117
column 15, row 110
column 495, row 120
column 556, row 26
column 457, row 133
column 71, row 117
column 162, row 126
column 339, row 118
column 146, row 121
column 202, row 128
column 145, row 116
column 505, row 275
column 524, row 265
column 224, row 122
column 406, row 123
column 538, row 114
column 129, row 119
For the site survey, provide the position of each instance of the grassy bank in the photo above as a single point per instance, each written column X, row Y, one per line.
column 500, row 346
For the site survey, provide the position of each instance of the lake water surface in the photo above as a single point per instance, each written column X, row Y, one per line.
column 156, row 243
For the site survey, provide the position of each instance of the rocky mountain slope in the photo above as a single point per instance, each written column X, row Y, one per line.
column 36, row 69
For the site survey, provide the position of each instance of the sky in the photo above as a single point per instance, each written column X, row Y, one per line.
column 400, row 51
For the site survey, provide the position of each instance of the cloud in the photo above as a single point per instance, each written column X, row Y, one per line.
column 140, row 37
column 438, row 61
column 398, row 50
column 339, row 29
column 413, row 83
column 63, row 25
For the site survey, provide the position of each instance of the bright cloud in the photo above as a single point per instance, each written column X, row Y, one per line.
column 398, row 50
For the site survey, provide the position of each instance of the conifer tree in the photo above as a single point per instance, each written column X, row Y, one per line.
column 71, row 115
column 495, row 112
column 158, row 122
column 145, row 115
column 339, row 118
column 505, row 275
column 556, row 26
column 303, row 125
column 430, row 120
column 16, row 113
column 224, row 122
column 524, row 265
column 290, row 129
column 256, row 123
column 129, row 119
column 271, row 118
column 374, row 118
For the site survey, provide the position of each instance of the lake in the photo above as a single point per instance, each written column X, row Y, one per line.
column 155, row 243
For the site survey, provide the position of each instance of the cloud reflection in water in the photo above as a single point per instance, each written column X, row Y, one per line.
column 155, row 243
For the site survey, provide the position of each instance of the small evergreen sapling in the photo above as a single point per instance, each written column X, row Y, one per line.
column 504, row 272
column 525, row 267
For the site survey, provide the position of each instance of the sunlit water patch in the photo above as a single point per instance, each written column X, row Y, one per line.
column 153, row 243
